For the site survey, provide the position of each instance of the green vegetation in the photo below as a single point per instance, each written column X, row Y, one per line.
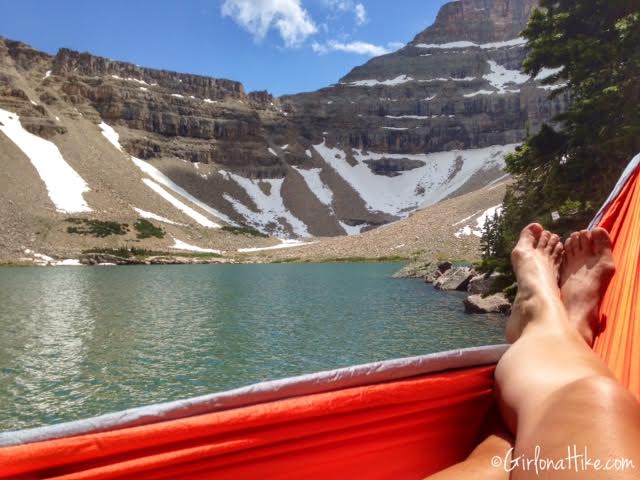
column 390, row 259
column 393, row 259
column 289, row 260
column 96, row 228
column 121, row 252
column 146, row 229
column 245, row 230
column 570, row 169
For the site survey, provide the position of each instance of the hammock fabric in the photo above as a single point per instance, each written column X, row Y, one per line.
column 402, row 419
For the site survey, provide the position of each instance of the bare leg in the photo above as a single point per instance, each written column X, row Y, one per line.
column 478, row 465
column 497, row 442
column 553, row 391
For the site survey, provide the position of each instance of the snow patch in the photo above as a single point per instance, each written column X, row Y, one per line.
column 198, row 217
column 130, row 79
column 316, row 185
column 399, row 80
column 153, row 216
column 447, row 79
column 467, row 218
column 442, row 174
column 64, row 186
column 271, row 206
column 411, row 117
column 548, row 72
column 112, row 136
column 284, row 244
column 479, row 92
column 477, row 229
column 516, row 42
column 553, row 87
column 272, row 152
column 69, row 262
column 500, row 77
column 180, row 245
column 352, row 230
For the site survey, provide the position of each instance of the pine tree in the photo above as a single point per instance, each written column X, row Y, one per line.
column 593, row 46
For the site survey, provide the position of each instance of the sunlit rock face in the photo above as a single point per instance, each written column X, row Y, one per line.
column 405, row 130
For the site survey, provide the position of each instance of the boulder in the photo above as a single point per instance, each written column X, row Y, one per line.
column 437, row 272
column 418, row 269
column 102, row 258
column 427, row 270
column 497, row 303
column 98, row 258
column 454, row 279
column 483, row 283
column 164, row 260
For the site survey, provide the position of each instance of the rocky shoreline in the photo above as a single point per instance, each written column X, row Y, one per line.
column 105, row 259
column 482, row 287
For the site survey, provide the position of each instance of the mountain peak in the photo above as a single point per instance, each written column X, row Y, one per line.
column 478, row 21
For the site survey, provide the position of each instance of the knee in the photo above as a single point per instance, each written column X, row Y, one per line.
column 600, row 390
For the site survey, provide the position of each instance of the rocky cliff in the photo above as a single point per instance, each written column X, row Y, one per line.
column 428, row 122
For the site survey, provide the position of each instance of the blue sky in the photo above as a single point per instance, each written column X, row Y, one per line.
column 284, row 46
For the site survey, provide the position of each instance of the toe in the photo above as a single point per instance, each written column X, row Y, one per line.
column 568, row 246
column 558, row 252
column 600, row 240
column 575, row 243
column 553, row 241
column 530, row 235
column 585, row 241
column 544, row 240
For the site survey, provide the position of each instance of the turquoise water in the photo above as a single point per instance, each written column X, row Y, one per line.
column 78, row 342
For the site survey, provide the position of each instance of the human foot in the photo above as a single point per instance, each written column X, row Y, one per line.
column 536, row 260
column 585, row 275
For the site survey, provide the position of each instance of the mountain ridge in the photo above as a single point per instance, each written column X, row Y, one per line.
column 420, row 125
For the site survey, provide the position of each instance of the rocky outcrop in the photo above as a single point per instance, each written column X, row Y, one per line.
column 440, row 269
column 479, row 21
column 483, row 284
column 456, row 86
column 319, row 163
column 71, row 63
column 477, row 304
column 106, row 259
column 426, row 270
column 419, row 269
column 93, row 259
column 456, row 278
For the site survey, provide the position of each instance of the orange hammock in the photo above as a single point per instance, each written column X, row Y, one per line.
column 392, row 420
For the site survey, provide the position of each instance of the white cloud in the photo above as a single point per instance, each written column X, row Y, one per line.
column 360, row 48
column 361, row 14
column 358, row 9
column 258, row 16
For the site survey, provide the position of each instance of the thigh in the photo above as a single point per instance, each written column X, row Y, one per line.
column 588, row 429
column 481, row 464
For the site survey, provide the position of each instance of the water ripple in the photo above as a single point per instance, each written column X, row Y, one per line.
column 79, row 342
